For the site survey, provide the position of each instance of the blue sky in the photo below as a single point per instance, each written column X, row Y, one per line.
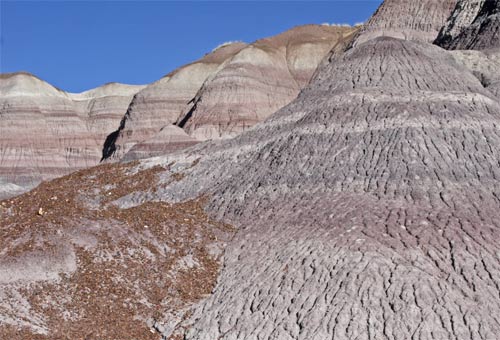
column 78, row 45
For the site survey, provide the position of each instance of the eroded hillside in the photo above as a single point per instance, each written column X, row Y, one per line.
column 367, row 208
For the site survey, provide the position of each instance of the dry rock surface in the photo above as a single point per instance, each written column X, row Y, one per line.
column 419, row 20
column 367, row 208
column 260, row 79
column 473, row 32
column 473, row 25
column 226, row 92
column 46, row 132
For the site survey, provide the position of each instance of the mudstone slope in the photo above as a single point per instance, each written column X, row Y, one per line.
column 407, row 19
column 163, row 102
column 262, row 78
column 46, row 132
column 226, row 92
column 367, row 208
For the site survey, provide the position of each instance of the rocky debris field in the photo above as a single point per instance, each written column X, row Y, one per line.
column 75, row 266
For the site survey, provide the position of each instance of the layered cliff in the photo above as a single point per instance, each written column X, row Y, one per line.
column 260, row 79
column 227, row 91
column 164, row 102
column 46, row 132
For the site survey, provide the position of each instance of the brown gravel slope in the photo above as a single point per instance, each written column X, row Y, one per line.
column 65, row 274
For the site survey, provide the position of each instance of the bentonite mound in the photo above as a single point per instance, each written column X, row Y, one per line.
column 483, row 32
column 368, row 208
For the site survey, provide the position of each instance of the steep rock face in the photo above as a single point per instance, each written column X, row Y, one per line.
column 462, row 16
column 46, row 132
column 407, row 19
column 480, row 34
column 163, row 102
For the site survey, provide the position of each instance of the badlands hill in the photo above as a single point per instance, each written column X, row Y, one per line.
column 46, row 132
column 259, row 80
column 225, row 92
column 163, row 102
column 367, row 208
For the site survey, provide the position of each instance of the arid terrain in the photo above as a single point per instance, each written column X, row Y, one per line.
column 47, row 133
column 363, row 203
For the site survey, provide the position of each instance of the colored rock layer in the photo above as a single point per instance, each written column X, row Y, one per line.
column 164, row 102
column 227, row 91
column 367, row 208
column 171, row 138
column 260, row 79
column 46, row 132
